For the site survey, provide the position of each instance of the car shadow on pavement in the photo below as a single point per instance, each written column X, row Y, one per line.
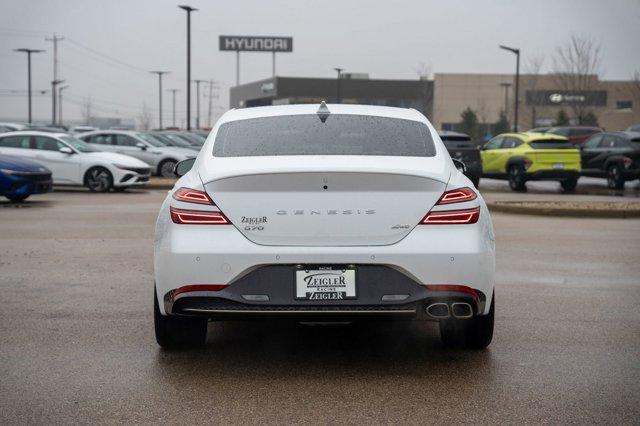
column 285, row 348
column 24, row 204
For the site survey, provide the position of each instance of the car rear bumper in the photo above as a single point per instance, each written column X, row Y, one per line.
column 187, row 255
column 552, row 175
column 268, row 291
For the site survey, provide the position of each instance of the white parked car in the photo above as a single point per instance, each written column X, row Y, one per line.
column 82, row 129
column 74, row 162
column 324, row 213
column 142, row 146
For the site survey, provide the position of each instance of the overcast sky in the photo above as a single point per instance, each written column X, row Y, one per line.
column 110, row 45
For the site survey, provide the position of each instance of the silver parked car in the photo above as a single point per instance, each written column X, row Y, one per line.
column 160, row 157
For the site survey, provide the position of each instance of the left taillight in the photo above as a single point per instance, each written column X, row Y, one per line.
column 197, row 217
column 188, row 195
column 454, row 217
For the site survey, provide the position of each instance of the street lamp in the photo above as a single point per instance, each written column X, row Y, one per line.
column 173, row 96
column 506, row 98
column 188, row 9
column 60, row 89
column 339, row 71
column 160, row 73
column 197, row 82
column 29, row 52
column 515, row 110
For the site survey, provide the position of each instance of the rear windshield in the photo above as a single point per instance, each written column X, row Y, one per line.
column 340, row 134
column 550, row 144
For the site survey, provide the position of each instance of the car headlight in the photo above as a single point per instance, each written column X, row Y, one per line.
column 140, row 170
column 10, row 172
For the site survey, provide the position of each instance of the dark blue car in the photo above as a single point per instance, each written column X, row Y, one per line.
column 20, row 178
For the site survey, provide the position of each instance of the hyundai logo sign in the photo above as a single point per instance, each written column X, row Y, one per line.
column 256, row 44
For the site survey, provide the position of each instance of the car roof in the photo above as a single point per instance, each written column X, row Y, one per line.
column 33, row 133
column 452, row 133
column 299, row 109
column 576, row 127
column 529, row 136
column 625, row 134
column 120, row 132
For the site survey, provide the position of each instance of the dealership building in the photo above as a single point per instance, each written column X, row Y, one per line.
column 616, row 104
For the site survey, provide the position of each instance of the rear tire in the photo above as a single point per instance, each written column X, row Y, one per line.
column 178, row 332
column 614, row 177
column 474, row 333
column 517, row 181
column 569, row 185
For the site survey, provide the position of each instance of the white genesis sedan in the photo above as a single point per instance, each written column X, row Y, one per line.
column 73, row 162
column 324, row 213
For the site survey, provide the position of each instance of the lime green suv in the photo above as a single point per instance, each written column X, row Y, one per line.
column 520, row 157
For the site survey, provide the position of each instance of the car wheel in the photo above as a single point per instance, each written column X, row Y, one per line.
column 474, row 333
column 516, row 178
column 569, row 185
column 98, row 179
column 17, row 198
column 614, row 177
column 165, row 169
column 178, row 332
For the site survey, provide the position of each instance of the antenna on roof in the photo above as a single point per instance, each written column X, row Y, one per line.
column 323, row 112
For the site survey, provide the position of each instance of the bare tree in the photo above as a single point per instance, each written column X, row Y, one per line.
column 87, row 106
column 635, row 87
column 424, row 73
column 145, row 117
column 532, row 69
column 576, row 66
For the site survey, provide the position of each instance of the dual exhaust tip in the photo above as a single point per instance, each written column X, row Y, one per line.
column 441, row 310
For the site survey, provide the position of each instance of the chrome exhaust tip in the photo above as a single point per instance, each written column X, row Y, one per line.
column 461, row 310
column 438, row 310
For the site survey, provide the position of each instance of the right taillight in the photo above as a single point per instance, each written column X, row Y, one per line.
column 454, row 217
column 188, row 195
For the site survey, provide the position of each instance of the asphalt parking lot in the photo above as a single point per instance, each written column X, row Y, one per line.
column 77, row 343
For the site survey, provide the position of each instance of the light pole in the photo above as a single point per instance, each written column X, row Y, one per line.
column 60, row 89
column 339, row 71
column 160, row 73
column 173, row 96
column 197, row 82
column 28, row 52
column 188, row 9
column 515, row 109
column 506, row 98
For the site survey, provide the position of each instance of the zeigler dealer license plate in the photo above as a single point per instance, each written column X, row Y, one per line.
column 326, row 283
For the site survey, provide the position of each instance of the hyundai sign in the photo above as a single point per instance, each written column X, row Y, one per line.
column 566, row 97
column 256, row 44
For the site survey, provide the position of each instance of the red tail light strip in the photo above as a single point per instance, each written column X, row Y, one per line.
column 452, row 217
column 455, row 288
column 196, row 287
column 196, row 217
column 189, row 195
column 459, row 195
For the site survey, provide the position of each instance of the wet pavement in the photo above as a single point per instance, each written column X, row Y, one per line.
column 77, row 344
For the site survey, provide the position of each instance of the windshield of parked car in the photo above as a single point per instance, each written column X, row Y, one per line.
column 77, row 144
column 150, row 140
column 339, row 134
column 176, row 140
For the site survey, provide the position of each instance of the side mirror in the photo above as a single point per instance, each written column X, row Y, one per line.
column 460, row 165
column 141, row 146
column 66, row 150
column 182, row 167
